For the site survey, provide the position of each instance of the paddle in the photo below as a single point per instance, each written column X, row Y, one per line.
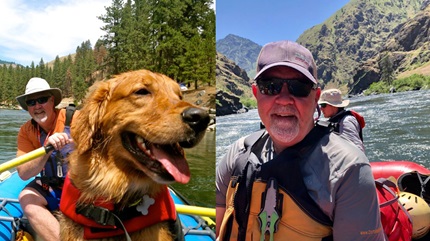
column 195, row 210
column 25, row 158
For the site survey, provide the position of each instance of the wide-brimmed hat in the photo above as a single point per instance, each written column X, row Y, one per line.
column 38, row 85
column 333, row 97
column 287, row 53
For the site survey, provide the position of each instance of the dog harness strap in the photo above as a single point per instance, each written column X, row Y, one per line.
column 101, row 220
column 100, row 215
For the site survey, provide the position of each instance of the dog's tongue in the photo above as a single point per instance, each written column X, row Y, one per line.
column 176, row 165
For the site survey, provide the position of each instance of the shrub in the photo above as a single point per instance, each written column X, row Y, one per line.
column 250, row 103
column 377, row 88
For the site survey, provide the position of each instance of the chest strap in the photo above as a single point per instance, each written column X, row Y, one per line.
column 101, row 219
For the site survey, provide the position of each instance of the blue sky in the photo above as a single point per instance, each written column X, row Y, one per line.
column 263, row 21
column 35, row 29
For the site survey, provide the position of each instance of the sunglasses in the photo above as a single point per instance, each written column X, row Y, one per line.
column 323, row 105
column 40, row 100
column 296, row 87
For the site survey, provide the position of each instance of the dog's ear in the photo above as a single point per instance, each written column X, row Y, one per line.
column 87, row 129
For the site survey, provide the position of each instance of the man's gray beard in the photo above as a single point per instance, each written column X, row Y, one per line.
column 286, row 134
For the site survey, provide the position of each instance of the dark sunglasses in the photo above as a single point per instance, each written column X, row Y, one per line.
column 296, row 87
column 323, row 105
column 40, row 100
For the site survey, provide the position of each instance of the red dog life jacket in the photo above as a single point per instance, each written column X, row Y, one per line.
column 161, row 208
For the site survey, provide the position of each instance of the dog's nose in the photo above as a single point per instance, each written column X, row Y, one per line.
column 198, row 119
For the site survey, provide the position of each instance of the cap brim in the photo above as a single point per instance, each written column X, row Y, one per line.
column 291, row 65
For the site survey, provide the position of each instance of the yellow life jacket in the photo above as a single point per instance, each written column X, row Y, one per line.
column 292, row 214
column 294, row 224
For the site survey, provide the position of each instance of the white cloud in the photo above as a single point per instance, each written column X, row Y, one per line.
column 213, row 6
column 34, row 29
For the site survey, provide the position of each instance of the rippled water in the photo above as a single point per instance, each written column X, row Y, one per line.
column 10, row 121
column 199, row 191
column 397, row 126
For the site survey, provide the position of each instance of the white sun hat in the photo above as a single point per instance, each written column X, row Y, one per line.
column 38, row 85
column 333, row 97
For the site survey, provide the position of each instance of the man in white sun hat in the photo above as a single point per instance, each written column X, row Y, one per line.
column 48, row 126
column 347, row 123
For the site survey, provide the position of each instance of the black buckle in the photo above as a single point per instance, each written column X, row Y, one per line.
column 99, row 214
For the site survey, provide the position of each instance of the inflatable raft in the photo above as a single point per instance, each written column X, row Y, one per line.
column 196, row 228
column 413, row 194
column 396, row 168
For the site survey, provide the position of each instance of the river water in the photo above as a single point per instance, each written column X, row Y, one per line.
column 397, row 126
column 199, row 191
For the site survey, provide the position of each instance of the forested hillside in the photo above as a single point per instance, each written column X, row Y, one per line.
column 403, row 62
column 385, row 42
column 367, row 47
column 173, row 37
column 242, row 51
column 233, row 87
column 354, row 34
column 5, row 62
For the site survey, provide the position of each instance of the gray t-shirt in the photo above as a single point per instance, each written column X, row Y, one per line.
column 350, row 129
column 338, row 178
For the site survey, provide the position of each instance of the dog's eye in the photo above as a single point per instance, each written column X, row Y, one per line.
column 142, row 92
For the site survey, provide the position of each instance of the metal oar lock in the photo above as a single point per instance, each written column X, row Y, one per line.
column 269, row 215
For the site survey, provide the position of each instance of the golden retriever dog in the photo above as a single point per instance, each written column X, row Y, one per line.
column 128, row 140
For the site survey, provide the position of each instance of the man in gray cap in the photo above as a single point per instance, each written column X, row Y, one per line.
column 294, row 180
column 347, row 123
column 48, row 126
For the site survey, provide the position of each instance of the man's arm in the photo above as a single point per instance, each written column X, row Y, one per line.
column 350, row 129
column 223, row 174
column 219, row 216
column 34, row 167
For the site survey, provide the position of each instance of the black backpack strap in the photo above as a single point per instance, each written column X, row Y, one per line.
column 70, row 110
column 244, row 171
column 243, row 158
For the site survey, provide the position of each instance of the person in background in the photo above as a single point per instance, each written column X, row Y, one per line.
column 47, row 127
column 347, row 123
column 294, row 180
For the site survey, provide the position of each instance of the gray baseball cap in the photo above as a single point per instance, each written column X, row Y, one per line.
column 287, row 53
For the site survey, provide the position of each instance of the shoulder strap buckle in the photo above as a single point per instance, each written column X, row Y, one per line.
column 99, row 214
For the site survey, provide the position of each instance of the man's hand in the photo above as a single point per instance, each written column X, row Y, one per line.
column 59, row 140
